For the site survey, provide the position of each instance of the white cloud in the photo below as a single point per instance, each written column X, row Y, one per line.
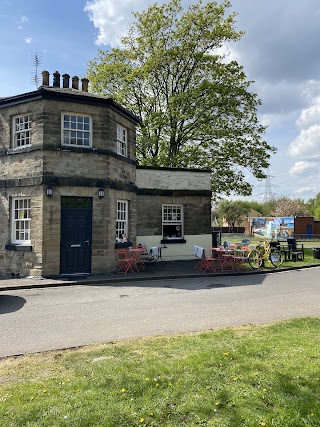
column 23, row 19
column 301, row 166
column 311, row 90
column 229, row 52
column 306, row 191
column 310, row 116
column 307, row 143
column 111, row 18
column 28, row 40
column 305, row 176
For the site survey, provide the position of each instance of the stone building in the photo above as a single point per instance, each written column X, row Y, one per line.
column 70, row 188
column 174, row 209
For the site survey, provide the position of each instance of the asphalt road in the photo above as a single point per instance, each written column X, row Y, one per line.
column 55, row 318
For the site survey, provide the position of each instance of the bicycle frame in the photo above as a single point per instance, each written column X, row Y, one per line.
column 264, row 249
column 264, row 253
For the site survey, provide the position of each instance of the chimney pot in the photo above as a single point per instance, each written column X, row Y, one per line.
column 85, row 83
column 65, row 80
column 56, row 79
column 75, row 82
column 45, row 78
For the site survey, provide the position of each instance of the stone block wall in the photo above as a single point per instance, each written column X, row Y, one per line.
column 197, row 214
column 46, row 132
column 21, row 165
column 35, row 109
column 159, row 186
column 173, row 179
column 103, row 227
column 104, row 121
column 88, row 165
column 24, row 262
column 95, row 163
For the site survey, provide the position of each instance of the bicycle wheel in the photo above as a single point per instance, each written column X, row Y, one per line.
column 276, row 258
column 255, row 259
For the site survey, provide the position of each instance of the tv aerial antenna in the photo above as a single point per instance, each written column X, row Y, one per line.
column 36, row 62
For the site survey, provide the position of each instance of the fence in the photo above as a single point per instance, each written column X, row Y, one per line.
column 306, row 236
column 230, row 230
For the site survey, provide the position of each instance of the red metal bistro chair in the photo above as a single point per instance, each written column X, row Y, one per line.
column 137, row 253
column 126, row 261
column 205, row 263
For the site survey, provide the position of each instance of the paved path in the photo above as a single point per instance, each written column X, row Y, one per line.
column 34, row 320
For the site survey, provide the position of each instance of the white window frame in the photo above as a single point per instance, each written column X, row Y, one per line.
column 122, row 141
column 122, row 218
column 21, row 131
column 74, row 131
column 172, row 217
column 21, row 220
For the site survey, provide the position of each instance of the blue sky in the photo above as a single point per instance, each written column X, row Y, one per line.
column 279, row 52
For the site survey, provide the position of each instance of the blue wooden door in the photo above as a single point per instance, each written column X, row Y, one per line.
column 76, row 235
column 309, row 230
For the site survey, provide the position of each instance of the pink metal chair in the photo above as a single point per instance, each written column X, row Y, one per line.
column 126, row 261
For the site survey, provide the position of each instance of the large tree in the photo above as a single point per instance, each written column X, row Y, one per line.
column 233, row 212
column 288, row 207
column 196, row 108
column 314, row 206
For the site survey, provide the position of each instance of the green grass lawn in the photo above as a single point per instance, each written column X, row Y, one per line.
column 240, row 377
column 308, row 252
column 309, row 260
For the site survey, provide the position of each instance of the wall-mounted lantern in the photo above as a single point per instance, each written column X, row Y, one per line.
column 49, row 192
column 101, row 193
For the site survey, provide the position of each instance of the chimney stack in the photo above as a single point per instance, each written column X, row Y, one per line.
column 75, row 82
column 56, row 79
column 45, row 78
column 65, row 80
column 85, row 83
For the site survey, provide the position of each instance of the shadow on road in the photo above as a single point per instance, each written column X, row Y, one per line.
column 176, row 274
column 196, row 282
column 10, row 303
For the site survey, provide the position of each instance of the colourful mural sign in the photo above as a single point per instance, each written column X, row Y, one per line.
column 273, row 227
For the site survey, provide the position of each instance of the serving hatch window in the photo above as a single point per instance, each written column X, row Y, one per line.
column 172, row 221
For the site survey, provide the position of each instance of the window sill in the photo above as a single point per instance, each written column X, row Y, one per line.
column 169, row 241
column 76, row 148
column 17, row 150
column 121, row 156
column 14, row 247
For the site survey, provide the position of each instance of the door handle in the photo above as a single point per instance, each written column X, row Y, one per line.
column 87, row 241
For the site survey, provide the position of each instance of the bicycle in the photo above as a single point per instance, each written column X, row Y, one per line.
column 265, row 253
